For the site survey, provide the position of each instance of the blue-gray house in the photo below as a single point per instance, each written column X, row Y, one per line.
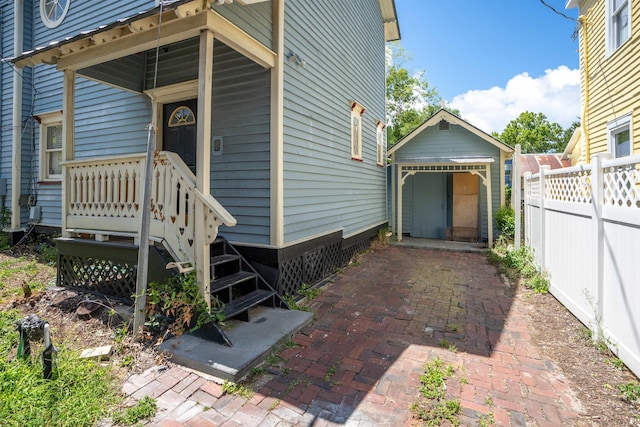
column 447, row 181
column 266, row 118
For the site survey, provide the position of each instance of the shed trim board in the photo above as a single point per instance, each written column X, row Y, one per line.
column 480, row 167
column 443, row 114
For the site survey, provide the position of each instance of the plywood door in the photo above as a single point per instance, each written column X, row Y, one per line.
column 465, row 207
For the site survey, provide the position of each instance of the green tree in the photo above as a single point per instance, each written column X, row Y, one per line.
column 536, row 134
column 410, row 100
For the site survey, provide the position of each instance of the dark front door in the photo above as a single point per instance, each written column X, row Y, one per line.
column 179, row 130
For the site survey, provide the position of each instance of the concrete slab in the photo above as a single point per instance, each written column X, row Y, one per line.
column 252, row 343
column 441, row 245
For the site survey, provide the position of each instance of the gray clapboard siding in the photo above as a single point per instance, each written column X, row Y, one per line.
column 254, row 19
column 85, row 15
column 240, row 177
column 115, row 125
column 343, row 47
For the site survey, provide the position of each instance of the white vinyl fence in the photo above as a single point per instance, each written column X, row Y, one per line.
column 583, row 224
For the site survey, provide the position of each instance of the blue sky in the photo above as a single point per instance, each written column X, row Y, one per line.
column 493, row 59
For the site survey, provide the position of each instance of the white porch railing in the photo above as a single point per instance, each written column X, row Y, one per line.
column 104, row 196
column 584, row 226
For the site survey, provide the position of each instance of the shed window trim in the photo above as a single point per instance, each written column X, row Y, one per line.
column 620, row 136
column 51, row 146
column 618, row 23
column 357, row 110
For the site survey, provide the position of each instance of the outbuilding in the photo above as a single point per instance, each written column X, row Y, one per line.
column 447, row 181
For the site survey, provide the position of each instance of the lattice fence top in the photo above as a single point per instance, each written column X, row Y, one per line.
column 569, row 187
column 622, row 186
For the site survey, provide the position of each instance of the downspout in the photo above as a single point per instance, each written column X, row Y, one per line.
column 16, row 145
column 585, row 45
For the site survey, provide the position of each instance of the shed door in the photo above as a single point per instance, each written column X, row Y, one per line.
column 465, row 207
column 179, row 131
column 429, row 218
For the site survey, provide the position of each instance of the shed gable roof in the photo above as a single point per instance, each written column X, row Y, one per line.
column 443, row 114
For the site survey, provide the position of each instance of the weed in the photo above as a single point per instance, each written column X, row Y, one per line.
column 444, row 343
column 585, row 333
column 48, row 254
column 308, row 292
column 127, row 361
column 432, row 406
column 432, row 380
column 273, row 359
column 505, row 221
column 179, row 305
column 257, row 371
column 630, row 391
column 305, row 291
column 616, row 362
column 332, row 370
column 292, row 384
column 143, row 409
column 274, row 405
column 538, row 283
column 236, row 389
column 486, row 420
column 452, row 348
column 489, row 401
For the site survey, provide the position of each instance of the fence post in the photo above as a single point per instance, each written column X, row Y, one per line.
column 516, row 195
column 597, row 196
column 527, row 208
column 543, row 244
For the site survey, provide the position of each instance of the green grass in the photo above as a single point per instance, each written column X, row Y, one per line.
column 80, row 393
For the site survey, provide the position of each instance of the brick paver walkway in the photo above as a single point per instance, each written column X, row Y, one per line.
column 359, row 363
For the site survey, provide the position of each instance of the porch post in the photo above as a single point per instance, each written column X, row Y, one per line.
column 489, row 208
column 203, row 159
column 393, row 194
column 516, row 196
column 16, row 133
column 68, row 144
column 399, row 192
column 277, row 128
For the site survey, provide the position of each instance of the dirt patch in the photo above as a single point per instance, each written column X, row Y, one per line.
column 593, row 371
column 27, row 284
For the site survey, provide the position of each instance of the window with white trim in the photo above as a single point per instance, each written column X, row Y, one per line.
column 357, row 110
column 380, row 145
column 618, row 23
column 620, row 137
column 52, row 12
column 51, row 146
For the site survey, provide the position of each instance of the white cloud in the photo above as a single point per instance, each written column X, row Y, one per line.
column 556, row 94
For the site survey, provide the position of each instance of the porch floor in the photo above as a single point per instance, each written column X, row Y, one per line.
column 252, row 343
column 442, row 245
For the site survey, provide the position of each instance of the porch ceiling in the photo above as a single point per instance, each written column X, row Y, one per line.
column 425, row 161
column 178, row 21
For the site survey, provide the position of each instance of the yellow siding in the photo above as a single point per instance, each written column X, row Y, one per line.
column 613, row 82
